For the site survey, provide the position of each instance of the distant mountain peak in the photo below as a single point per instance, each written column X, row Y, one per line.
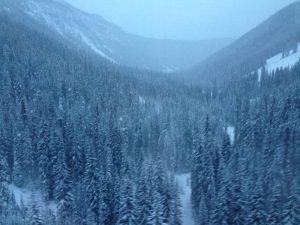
column 111, row 42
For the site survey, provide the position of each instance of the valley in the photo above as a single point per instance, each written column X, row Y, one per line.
column 102, row 127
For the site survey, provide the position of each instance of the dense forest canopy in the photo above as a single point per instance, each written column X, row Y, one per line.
column 94, row 143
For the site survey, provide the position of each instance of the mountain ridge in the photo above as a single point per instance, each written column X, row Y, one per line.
column 112, row 42
column 278, row 33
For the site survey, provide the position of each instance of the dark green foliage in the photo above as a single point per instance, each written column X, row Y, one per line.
column 100, row 140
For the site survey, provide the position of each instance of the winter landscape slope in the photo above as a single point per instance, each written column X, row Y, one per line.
column 44, row 77
column 85, row 141
column 282, row 61
column 276, row 35
column 110, row 41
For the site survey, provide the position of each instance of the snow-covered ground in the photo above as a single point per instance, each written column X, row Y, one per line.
column 142, row 100
column 259, row 72
column 184, row 184
column 281, row 61
column 230, row 131
column 27, row 196
column 21, row 194
column 92, row 45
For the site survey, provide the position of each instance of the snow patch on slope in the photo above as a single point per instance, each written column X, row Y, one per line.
column 27, row 196
column 184, row 184
column 36, row 11
column 142, row 100
column 280, row 61
column 89, row 43
column 169, row 69
column 44, row 13
column 231, row 131
column 259, row 73
column 20, row 194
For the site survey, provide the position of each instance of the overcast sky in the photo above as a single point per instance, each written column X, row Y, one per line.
column 184, row 19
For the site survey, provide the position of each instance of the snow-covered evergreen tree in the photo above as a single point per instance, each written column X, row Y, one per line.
column 127, row 214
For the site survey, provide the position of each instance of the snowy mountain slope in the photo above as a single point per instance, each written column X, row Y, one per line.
column 110, row 41
column 252, row 50
column 283, row 60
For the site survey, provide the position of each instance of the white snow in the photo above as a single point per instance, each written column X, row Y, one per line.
column 26, row 195
column 60, row 104
column 230, row 131
column 53, row 207
column 259, row 72
column 20, row 194
column 142, row 100
column 38, row 12
column 41, row 12
column 169, row 69
column 90, row 44
column 184, row 184
column 280, row 62
column 108, row 49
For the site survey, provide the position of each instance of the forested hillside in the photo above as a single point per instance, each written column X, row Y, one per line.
column 255, row 180
column 100, row 143
column 87, row 142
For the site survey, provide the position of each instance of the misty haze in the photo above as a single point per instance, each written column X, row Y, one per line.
column 152, row 112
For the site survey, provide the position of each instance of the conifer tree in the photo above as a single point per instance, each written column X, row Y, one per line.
column 291, row 212
column 176, row 214
column 35, row 214
column 92, row 184
column 257, row 214
column 4, row 169
column 143, row 201
column 127, row 214
column 156, row 217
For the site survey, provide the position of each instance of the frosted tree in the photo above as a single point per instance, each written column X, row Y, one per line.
column 22, row 155
column 127, row 214
column 156, row 217
column 143, row 200
column 203, row 212
column 291, row 212
column 196, row 172
column 275, row 214
column 92, row 184
column 43, row 148
column 35, row 213
column 257, row 214
column 175, row 214
column 4, row 170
